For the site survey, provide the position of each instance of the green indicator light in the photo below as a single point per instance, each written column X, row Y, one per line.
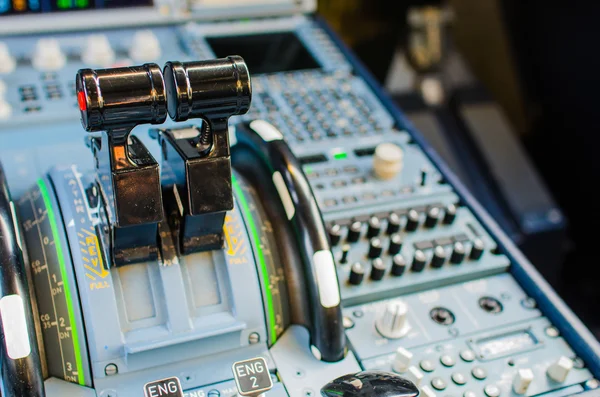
column 261, row 258
column 63, row 273
column 340, row 155
column 308, row 170
column 82, row 3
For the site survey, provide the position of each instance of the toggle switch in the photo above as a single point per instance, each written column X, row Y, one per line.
column 402, row 360
column 522, row 380
column 559, row 370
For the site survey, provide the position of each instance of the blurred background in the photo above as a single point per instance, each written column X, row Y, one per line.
column 505, row 90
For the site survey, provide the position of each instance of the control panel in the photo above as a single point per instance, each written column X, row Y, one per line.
column 245, row 208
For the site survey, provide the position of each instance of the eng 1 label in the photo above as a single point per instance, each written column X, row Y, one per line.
column 169, row 387
column 252, row 376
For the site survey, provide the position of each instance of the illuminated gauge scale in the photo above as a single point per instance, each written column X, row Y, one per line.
column 58, row 309
column 269, row 262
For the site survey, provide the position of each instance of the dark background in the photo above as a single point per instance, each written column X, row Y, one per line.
column 539, row 60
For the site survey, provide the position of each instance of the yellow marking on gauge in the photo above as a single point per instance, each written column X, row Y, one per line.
column 234, row 236
column 93, row 259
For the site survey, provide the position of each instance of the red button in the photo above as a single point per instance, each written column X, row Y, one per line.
column 82, row 101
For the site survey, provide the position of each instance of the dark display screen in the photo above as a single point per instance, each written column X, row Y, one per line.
column 19, row 7
column 266, row 53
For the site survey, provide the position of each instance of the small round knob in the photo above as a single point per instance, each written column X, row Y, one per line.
column 7, row 61
column 374, row 227
column 412, row 221
column 387, row 160
column 393, row 225
column 335, row 234
column 438, row 258
column 357, row 274
column 392, row 323
column 377, row 269
column 354, row 232
column 418, row 263
column 458, row 253
column 398, row 265
column 145, row 46
column 48, row 56
column 375, row 248
column 449, row 214
column 476, row 249
column 433, row 216
column 395, row 244
column 98, row 51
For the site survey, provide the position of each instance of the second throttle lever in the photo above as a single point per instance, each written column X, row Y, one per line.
column 196, row 167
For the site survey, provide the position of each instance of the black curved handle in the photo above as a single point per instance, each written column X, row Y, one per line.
column 370, row 384
column 327, row 332
column 20, row 360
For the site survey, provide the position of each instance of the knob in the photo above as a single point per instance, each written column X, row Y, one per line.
column 48, row 55
column 522, row 380
column 370, row 384
column 395, row 244
column 393, row 225
column 476, row 249
column 335, row 234
column 7, row 61
column 449, row 214
column 354, row 232
column 377, row 269
column 560, row 369
column 145, row 46
column 98, row 51
column 438, row 258
column 345, row 252
column 412, row 221
column 374, row 227
column 433, row 216
column 458, row 253
column 375, row 248
column 392, row 323
column 387, row 160
column 398, row 265
column 418, row 263
column 357, row 274
column 402, row 360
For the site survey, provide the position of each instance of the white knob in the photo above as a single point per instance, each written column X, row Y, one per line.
column 402, row 360
column 5, row 109
column 560, row 369
column 522, row 380
column 48, row 55
column 388, row 160
column 414, row 375
column 145, row 46
column 427, row 392
column 98, row 51
column 7, row 61
column 392, row 322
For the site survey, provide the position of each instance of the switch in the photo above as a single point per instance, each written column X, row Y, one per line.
column 335, row 234
column 388, row 160
column 393, row 225
column 458, row 253
column 476, row 249
column 98, row 51
column 522, row 380
column 375, row 248
column 438, row 258
column 560, row 369
column 395, row 244
column 402, row 360
column 392, row 323
column 418, row 263
column 412, row 221
column 377, row 269
column 145, row 46
column 357, row 274
column 414, row 375
column 345, row 252
column 354, row 232
column 433, row 216
column 48, row 56
column 398, row 265
column 449, row 214
column 7, row 61
column 374, row 227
